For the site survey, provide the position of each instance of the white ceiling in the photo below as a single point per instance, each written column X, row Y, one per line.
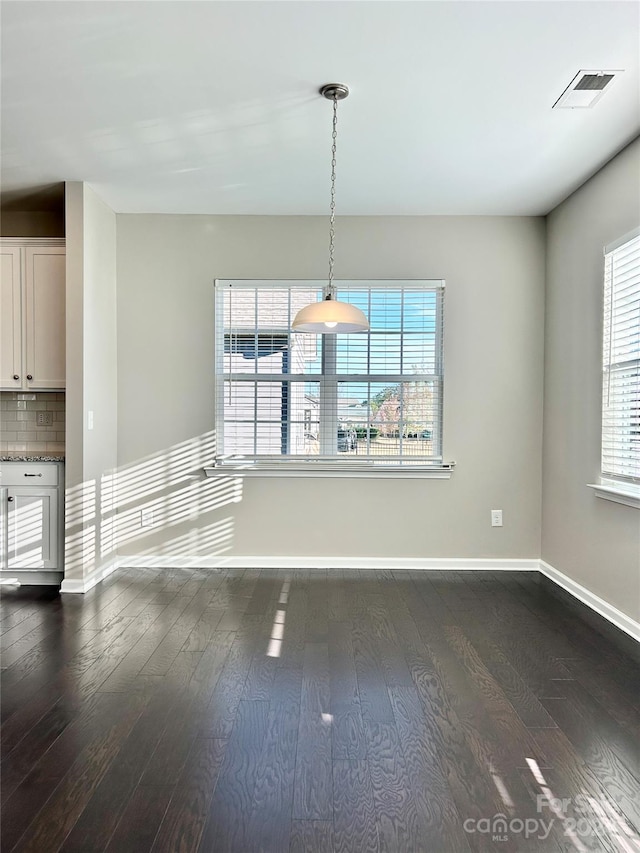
column 212, row 107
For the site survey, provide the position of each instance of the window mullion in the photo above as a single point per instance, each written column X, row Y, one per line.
column 401, row 419
column 439, row 368
column 329, row 397
column 403, row 367
column 255, row 368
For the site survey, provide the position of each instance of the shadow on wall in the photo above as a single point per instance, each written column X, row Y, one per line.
column 160, row 505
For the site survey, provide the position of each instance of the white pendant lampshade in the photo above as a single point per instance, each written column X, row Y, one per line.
column 331, row 317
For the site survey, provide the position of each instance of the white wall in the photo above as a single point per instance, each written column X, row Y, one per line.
column 595, row 542
column 494, row 314
column 91, row 455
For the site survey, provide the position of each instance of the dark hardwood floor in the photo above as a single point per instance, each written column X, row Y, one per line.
column 246, row 711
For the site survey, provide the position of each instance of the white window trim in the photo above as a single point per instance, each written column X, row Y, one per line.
column 615, row 244
column 618, row 492
column 610, row 487
column 314, row 469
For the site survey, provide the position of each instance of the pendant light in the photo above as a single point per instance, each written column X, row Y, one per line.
column 331, row 317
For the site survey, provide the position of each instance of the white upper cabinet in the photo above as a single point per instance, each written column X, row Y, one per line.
column 32, row 315
column 10, row 317
column 45, row 316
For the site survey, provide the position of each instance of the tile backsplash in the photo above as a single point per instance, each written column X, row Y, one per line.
column 19, row 428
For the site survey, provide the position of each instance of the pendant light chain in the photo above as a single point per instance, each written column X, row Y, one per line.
column 332, row 206
column 330, row 316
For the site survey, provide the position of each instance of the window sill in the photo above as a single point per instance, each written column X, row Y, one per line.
column 621, row 493
column 316, row 470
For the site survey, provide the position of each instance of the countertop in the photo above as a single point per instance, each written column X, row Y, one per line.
column 21, row 456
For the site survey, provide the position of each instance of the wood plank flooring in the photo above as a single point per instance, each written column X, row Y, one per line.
column 197, row 711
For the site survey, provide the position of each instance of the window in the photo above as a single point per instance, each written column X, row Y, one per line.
column 621, row 362
column 363, row 401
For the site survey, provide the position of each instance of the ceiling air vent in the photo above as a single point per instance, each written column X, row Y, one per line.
column 585, row 89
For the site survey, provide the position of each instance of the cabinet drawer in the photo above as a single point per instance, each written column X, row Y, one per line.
column 29, row 474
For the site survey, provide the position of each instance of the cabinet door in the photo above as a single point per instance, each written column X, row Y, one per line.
column 45, row 316
column 32, row 528
column 10, row 318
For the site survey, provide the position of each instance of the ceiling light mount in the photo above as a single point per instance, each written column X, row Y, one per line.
column 334, row 91
column 331, row 316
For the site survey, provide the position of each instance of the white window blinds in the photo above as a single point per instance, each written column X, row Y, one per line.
column 367, row 399
column 621, row 361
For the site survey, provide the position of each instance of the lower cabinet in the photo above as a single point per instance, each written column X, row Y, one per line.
column 31, row 517
column 32, row 528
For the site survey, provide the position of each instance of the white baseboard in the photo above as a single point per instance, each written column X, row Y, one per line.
column 608, row 611
column 73, row 585
column 253, row 562
column 463, row 564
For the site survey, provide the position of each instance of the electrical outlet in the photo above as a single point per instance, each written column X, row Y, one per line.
column 44, row 418
column 496, row 518
column 146, row 518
